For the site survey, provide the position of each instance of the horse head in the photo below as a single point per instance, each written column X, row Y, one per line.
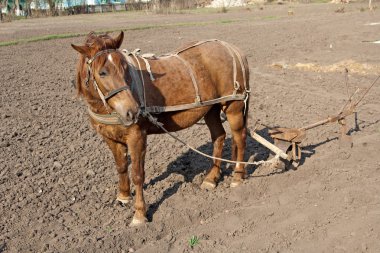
column 102, row 75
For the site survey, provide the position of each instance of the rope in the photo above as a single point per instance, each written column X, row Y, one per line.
column 154, row 121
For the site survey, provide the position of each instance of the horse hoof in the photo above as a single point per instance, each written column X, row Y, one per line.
column 208, row 185
column 136, row 222
column 235, row 184
column 124, row 200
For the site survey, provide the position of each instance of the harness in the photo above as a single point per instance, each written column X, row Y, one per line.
column 138, row 85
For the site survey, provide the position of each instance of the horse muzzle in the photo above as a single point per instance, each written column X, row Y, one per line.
column 130, row 117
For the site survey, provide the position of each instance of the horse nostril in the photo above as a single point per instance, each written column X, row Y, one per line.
column 130, row 115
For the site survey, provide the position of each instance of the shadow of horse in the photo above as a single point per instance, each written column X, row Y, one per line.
column 191, row 164
column 3, row 247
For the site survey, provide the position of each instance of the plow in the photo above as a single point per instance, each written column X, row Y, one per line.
column 288, row 141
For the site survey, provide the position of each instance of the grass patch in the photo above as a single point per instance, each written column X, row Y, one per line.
column 227, row 21
column 320, row 1
column 270, row 17
column 193, row 241
column 41, row 38
column 136, row 28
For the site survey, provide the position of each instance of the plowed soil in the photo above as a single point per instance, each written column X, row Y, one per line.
column 58, row 181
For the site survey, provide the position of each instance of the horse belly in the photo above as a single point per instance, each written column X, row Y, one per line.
column 175, row 121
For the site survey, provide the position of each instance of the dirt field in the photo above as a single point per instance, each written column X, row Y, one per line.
column 57, row 178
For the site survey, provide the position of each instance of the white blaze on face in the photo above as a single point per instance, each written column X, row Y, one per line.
column 110, row 59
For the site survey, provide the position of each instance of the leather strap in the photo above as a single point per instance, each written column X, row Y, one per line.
column 192, row 76
column 114, row 118
column 114, row 92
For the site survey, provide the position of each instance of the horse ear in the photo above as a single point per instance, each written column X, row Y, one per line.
column 119, row 39
column 84, row 50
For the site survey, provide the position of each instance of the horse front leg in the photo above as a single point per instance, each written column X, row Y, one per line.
column 120, row 152
column 137, row 145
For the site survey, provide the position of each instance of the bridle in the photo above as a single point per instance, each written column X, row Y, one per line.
column 103, row 97
column 90, row 76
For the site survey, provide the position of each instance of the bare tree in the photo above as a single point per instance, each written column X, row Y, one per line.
column 1, row 11
column 51, row 6
column 17, row 7
column 28, row 11
column 3, row 4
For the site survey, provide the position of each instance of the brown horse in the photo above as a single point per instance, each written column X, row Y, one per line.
column 196, row 81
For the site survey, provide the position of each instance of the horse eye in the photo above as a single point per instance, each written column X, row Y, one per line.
column 103, row 73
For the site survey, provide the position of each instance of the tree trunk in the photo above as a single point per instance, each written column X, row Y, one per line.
column 51, row 7
column 17, row 7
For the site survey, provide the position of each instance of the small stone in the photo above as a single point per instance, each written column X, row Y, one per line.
column 60, row 181
column 46, row 247
column 72, row 148
column 57, row 165
column 131, row 250
column 364, row 247
column 5, row 144
column 46, row 134
column 39, row 191
column 90, row 173
column 348, row 199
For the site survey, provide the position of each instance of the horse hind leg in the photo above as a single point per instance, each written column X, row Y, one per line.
column 214, row 123
column 237, row 122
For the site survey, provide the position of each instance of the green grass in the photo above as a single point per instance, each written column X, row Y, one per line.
column 135, row 28
column 320, row 1
column 40, row 38
column 193, row 241
column 270, row 17
column 227, row 21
